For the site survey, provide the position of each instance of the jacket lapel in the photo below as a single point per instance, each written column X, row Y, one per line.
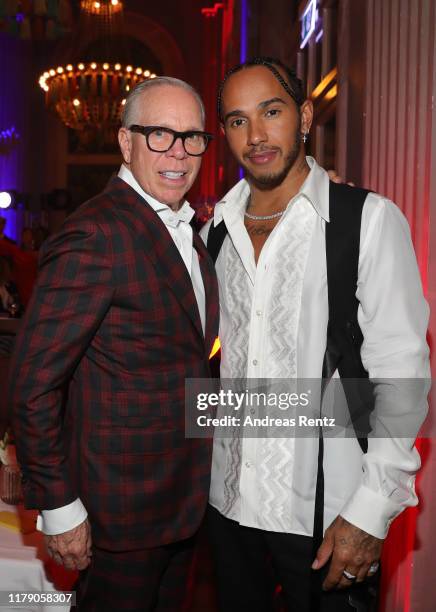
column 154, row 238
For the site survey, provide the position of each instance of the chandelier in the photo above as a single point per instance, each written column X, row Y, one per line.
column 101, row 7
column 90, row 95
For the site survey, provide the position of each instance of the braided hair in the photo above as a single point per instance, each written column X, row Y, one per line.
column 293, row 85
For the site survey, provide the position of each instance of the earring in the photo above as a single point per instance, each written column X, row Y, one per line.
column 305, row 137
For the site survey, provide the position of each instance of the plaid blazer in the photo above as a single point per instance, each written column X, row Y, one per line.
column 98, row 375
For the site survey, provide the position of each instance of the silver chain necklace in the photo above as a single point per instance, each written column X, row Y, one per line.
column 264, row 217
column 261, row 217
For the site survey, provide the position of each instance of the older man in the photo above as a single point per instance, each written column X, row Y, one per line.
column 124, row 310
column 313, row 277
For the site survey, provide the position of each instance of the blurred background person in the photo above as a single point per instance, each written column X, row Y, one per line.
column 40, row 235
column 10, row 302
column 2, row 231
column 27, row 239
column 10, row 305
column 24, row 266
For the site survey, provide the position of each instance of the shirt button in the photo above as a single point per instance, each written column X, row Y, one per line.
column 255, row 362
column 259, row 313
column 253, row 411
column 247, row 464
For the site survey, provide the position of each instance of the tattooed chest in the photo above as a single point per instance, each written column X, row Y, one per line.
column 259, row 233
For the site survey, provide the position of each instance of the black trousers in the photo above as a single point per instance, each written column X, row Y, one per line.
column 150, row 580
column 262, row 571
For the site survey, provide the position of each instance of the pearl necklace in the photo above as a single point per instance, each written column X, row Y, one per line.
column 264, row 217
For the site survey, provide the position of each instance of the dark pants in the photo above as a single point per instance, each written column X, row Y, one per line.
column 151, row 580
column 251, row 563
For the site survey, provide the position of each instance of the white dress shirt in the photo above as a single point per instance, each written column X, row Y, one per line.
column 63, row 519
column 273, row 324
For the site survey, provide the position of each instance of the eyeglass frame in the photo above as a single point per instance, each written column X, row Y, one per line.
column 146, row 130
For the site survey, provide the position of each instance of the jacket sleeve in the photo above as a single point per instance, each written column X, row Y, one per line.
column 393, row 317
column 72, row 295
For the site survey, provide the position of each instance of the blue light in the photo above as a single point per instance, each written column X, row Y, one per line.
column 244, row 19
column 13, row 111
column 9, row 133
column 308, row 22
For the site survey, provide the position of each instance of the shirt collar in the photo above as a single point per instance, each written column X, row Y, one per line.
column 169, row 217
column 315, row 189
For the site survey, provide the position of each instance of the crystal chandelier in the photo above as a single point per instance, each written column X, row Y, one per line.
column 89, row 96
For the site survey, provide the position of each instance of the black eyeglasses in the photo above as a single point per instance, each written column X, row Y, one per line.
column 161, row 139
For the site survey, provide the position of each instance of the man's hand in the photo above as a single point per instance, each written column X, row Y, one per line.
column 71, row 549
column 350, row 549
column 334, row 176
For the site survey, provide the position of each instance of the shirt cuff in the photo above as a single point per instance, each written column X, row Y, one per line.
column 60, row 520
column 371, row 512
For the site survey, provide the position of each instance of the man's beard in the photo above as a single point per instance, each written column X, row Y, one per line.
column 266, row 182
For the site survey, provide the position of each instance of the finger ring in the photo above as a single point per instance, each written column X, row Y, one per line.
column 373, row 568
column 348, row 576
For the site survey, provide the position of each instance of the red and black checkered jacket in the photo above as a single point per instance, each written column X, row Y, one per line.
column 98, row 375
